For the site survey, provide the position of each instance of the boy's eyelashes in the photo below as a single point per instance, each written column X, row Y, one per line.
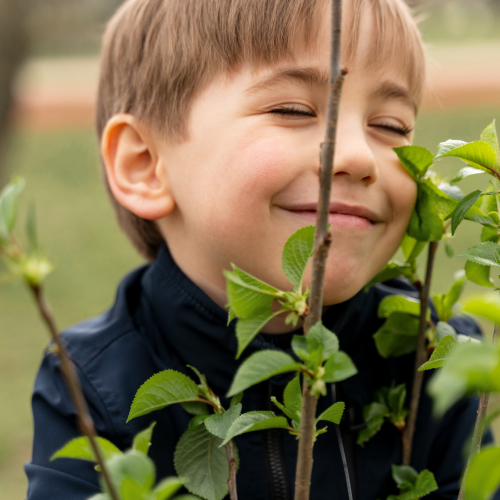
column 397, row 129
column 293, row 110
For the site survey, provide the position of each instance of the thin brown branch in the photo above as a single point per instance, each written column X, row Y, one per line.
column 70, row 375
column 306, row 441
column 231, row 482
column 322, row 240
column 420, row 357
column 477, row 437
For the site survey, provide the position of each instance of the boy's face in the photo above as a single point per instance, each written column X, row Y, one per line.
column 247, row 178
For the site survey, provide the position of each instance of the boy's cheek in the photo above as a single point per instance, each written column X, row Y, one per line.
column 258, row 167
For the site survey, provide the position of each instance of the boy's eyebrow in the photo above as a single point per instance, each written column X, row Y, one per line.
column 391, row 90
column 309, row 76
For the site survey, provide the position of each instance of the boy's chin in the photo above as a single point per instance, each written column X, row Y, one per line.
column 338, row 289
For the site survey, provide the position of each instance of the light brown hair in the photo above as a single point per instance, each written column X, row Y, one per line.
column 158, row 54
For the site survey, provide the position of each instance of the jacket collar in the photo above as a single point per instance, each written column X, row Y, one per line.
column 187, row 328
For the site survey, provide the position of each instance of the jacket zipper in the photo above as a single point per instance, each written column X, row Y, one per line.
column 275, row 456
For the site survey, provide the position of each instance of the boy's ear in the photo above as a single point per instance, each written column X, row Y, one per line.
column 136, row 174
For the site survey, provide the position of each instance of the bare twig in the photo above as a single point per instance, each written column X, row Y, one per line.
column 322, row 240
column 231, row 482
column 420, row 357
column 477, row 437
column 85, row 422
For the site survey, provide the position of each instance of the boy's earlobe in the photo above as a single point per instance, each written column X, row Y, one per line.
column 136, row 174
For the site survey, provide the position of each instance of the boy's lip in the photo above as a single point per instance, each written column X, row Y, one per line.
column 337, row 208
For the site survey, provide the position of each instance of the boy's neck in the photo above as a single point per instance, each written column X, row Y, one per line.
column 216, row 291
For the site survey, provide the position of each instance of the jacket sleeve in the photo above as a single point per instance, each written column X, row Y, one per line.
column 54, row 425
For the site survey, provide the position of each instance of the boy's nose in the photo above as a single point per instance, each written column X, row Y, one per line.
column 354, row 159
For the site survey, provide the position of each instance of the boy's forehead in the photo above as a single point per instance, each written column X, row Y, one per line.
column 308, row 63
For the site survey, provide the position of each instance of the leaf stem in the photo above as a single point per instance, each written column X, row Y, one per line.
column 85, row 422
column 322, row 241
column 231, row 482
column 420, row 357
column 477, row 437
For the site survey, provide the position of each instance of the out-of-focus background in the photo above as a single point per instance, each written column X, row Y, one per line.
column 48, row 74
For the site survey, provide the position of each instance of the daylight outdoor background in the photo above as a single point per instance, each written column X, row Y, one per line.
column 50, row 47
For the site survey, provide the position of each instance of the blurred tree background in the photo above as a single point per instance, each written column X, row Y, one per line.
column 48, row 74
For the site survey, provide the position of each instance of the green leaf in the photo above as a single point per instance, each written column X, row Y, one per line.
column 411, row 248
column 31, row 232
column 455, row 292
column 486, row 306
column 327, row 339
column 449, row 250
column 142, row 441
column 466, row 172
column 296, row 254
column 425, row 223
column 416, row 160
column 485, row 254
column 404, row 474
column 452, row 191
column 333, row 414
column 396, row 396
column 300, row 347
column 444, row 302
column 423, row 485
column 471, row 367
column 203, row 380
column 261, row 366
column 440, row 354
column 339, row 367
column 8, row 206
column 80, row 448
column 195, row 408
column 166, row 488
column 161, row 390
column 483, row 478
column 130, row 490
column 447, row 146
column 443, row 203
column 478, row 274
column 202, row 464
column 444, row 329
column 100, row 496
column 477, row 154
column 219, row 424
column 248, row 328
column 134, row 468
column 397, row 336
column 398, row 303
column 292, row 416
column 236, row 399
column 431, row 208
column 255, row 421
column 373, row 415
column 489, row 136
column 247, row 295
column 292, row 397
column 490, row 234
column 197, row 420
column 462, row 208
column 391, row 271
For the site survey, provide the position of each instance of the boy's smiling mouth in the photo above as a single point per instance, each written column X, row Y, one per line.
column 341, row 214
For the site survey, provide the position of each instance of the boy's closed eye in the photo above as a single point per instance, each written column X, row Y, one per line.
column 298, row 112
column 293, row 111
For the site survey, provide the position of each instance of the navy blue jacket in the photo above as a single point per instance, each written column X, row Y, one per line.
column 162, row 320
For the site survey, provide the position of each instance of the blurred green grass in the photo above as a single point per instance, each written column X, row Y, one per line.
column 77, row 229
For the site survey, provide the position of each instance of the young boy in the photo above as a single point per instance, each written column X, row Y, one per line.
column 210, row 117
